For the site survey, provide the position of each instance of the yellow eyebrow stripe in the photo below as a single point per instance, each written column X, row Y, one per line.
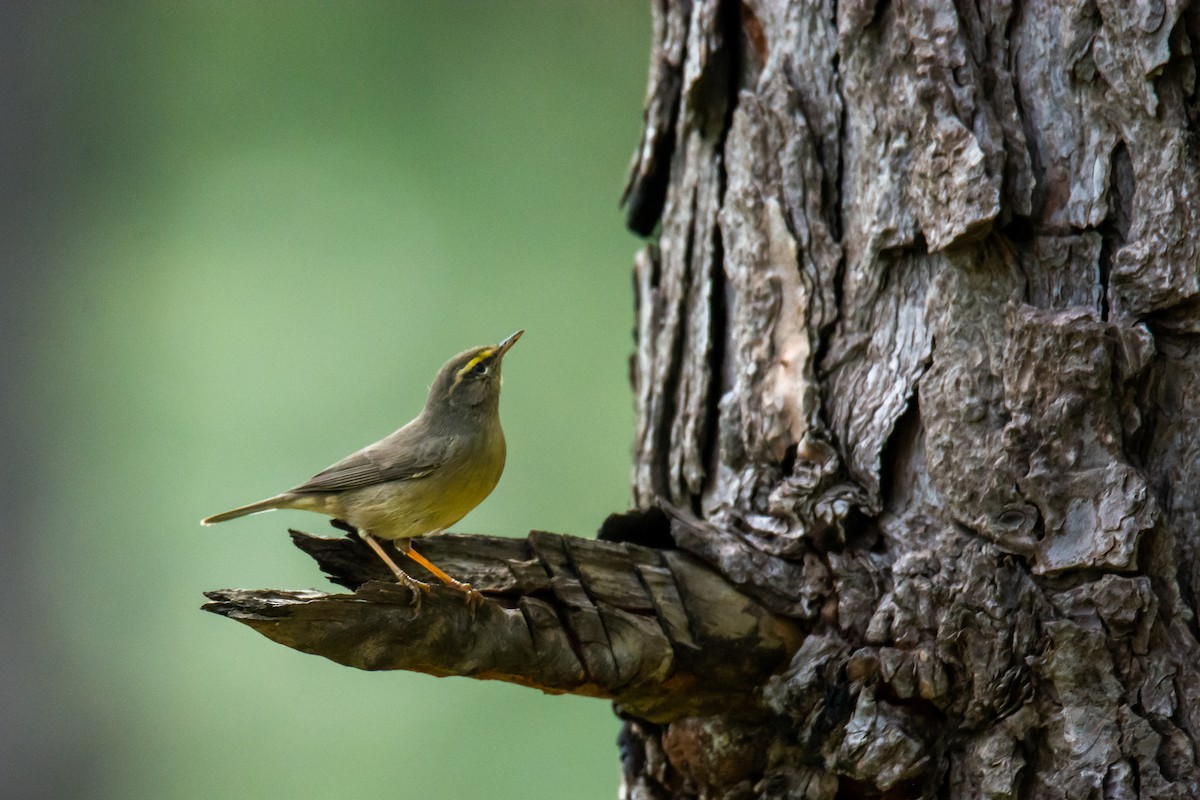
column 483, row 356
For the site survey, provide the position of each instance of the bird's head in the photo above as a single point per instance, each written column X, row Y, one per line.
column 470, row 382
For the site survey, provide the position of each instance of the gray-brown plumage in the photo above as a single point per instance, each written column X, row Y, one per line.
column 425, row 476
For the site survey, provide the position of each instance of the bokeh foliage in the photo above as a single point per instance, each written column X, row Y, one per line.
column 243, row 237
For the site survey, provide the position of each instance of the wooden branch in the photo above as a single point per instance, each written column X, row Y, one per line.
column 656, row 631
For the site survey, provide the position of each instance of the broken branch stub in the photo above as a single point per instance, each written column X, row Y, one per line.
column 656, row 631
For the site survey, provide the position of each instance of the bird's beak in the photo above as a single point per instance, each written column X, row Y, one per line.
column 502, row 348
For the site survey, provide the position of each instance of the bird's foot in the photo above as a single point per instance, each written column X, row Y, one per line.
column 418, row 588
column 472, row 595
column 474, row 600
column 414, row 584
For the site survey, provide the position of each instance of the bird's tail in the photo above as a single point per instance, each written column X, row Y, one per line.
column 271, row 503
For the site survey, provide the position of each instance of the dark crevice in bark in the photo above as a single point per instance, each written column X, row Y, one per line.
column 837, row 228
column 1025, row 780
column 936, row 781
column 718, row 335
column 644, row 202
column 1189, row 31
column 1122, row 188
column 1187, row 596
column 881, row 8
column 1019, row 230
column 732, row 53
column 531, row 626
column 648, row 527
column 730, row 60
column 789, row 459
column 1158, row 401
column 1036, row 158
column 671, row 376
column 1162, row 729
column 649, row 178
column 1115, row 229
column 563, row 613
column 1005, row 60
column 903, row 438
column 1176, row 325
column 834, row 200
column 821, row 369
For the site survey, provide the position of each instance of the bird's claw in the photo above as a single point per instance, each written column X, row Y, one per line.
column 473, row 597
column 418, row 588
column 474, row 600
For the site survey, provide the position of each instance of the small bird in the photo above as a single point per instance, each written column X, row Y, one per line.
column 424, row 477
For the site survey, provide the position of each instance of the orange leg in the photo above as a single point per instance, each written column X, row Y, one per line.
column 437, row 571
column 402, row 576
column 474, row 598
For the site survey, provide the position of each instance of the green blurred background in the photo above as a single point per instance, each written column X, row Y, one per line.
column 238, row 241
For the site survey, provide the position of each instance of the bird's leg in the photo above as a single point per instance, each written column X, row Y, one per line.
column 474, row 598
column 405, row 579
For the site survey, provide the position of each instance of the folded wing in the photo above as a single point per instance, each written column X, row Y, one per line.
column 400, row 457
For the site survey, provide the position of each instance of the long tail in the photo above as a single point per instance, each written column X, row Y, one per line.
column 271, row 503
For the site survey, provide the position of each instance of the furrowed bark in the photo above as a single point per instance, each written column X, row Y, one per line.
column 934, row 399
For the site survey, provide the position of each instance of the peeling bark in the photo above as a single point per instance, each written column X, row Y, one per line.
column 948, row 394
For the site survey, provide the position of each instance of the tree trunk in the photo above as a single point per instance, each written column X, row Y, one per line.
column 917, row 342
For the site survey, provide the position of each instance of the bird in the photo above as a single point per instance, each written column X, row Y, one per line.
column 421, row 479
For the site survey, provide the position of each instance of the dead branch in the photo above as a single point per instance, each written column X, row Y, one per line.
column 656, row 631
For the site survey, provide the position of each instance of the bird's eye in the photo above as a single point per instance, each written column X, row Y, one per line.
column 480, row 370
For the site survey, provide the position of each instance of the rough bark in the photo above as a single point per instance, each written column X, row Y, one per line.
column 917, row 345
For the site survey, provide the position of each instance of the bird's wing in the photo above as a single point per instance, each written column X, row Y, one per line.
column 401, row 456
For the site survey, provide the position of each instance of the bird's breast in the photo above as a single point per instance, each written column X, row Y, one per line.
column 464, row 482
column 404, row 509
